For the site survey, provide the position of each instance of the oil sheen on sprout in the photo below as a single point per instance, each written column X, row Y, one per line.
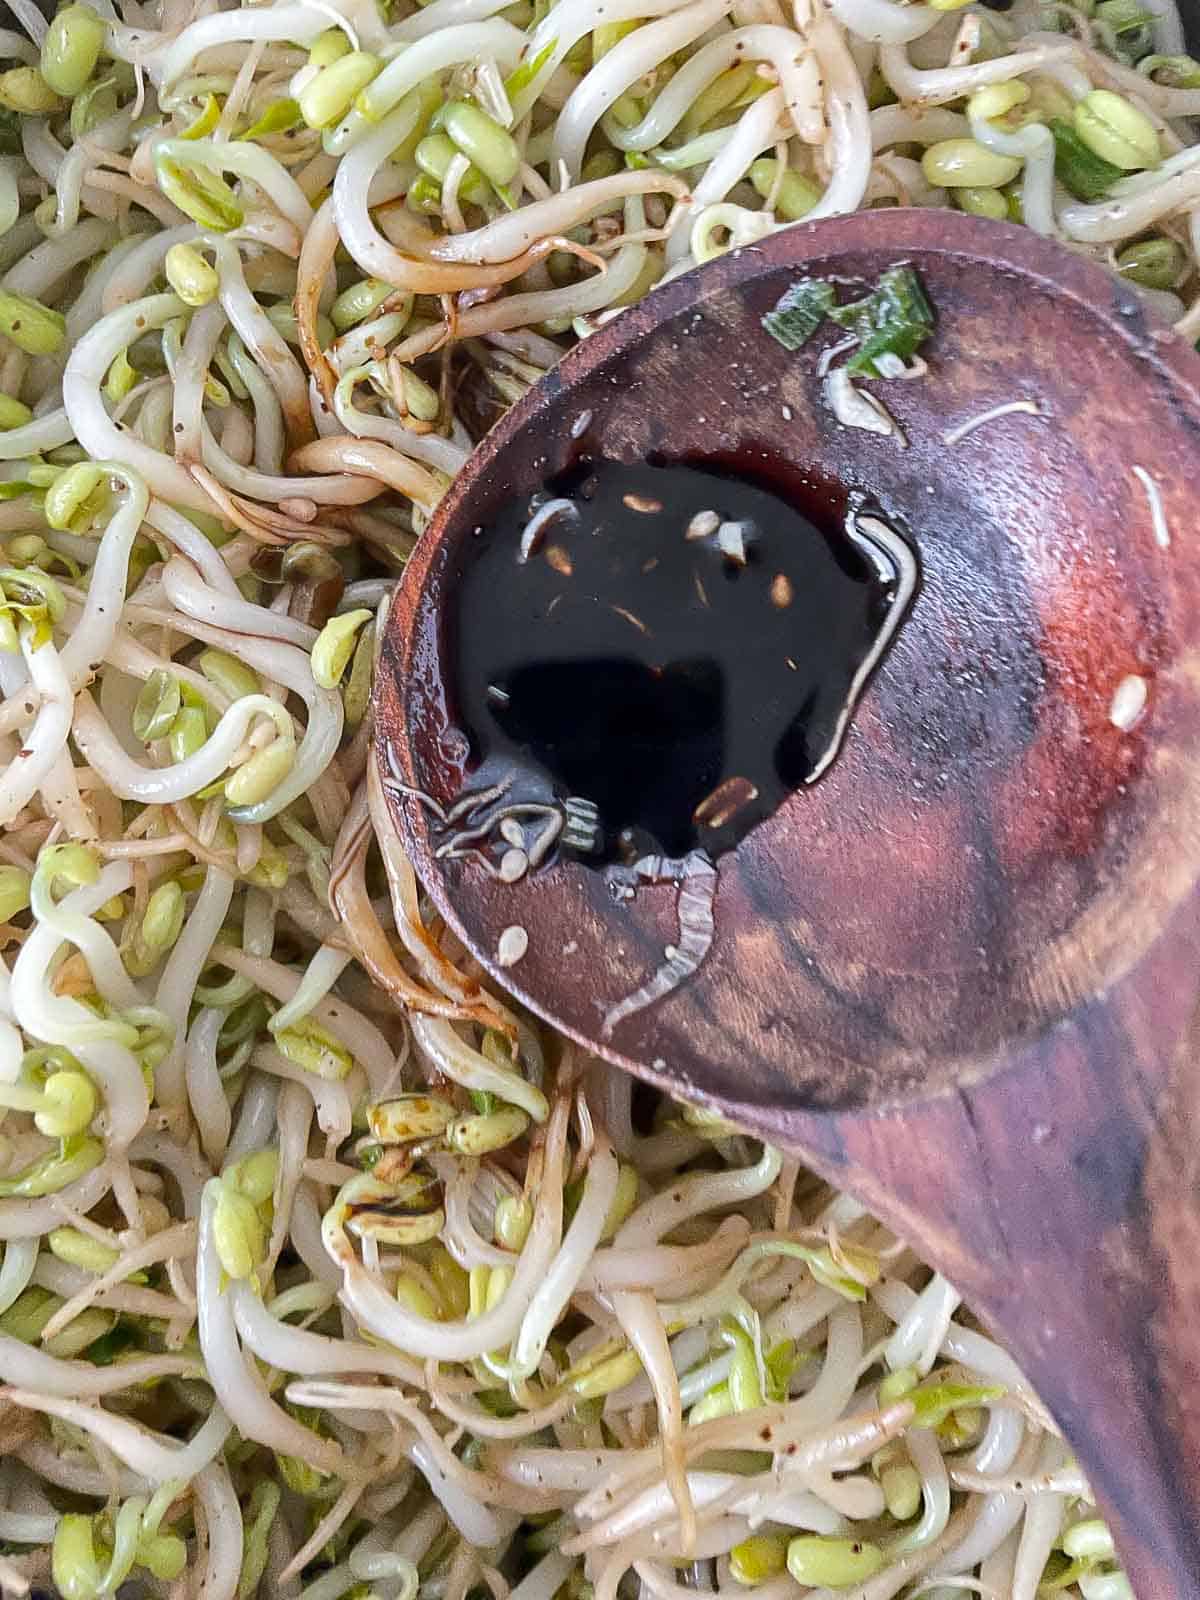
column 323, row 1271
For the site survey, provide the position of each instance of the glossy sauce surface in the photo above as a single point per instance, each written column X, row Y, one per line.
column 674, row 643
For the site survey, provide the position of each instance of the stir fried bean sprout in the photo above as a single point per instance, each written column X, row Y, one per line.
column 323, row 1270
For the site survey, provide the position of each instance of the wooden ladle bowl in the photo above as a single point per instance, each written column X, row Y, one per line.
column 959, row 976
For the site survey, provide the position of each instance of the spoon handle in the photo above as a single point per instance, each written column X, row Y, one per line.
column 1062, row 1198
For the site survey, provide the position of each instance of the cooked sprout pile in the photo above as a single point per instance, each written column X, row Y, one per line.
column 324, row 1272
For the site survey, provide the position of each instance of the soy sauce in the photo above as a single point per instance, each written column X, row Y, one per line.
column 682, row 674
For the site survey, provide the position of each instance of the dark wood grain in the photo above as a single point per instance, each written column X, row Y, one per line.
column 960, row 974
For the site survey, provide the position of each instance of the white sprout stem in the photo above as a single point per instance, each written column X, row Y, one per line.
column 1034, row 145
column 43, row 433
column 436, row 51
column 760, row 42
column 46, row 739
column 848, row 153
column 919, row 1335
column 249, row 161
column 430, row 449
column 509, row 236
column 898, row 124
column 188, row 591
column 884, row 22
column 130, row 278
column 164, row 785
column 361, row 1037
column 442, row 15
column 42, row 271
column 695, row 1193
column 16, row 1269
column 217, row 1498
column 628, row 61
column 580, row 1241
column 755, row 133
column 58, row 1019
column 478, row 1524
column 238, row 1384
column 31, row 1219
column 312, row 1354
column 112, row 134
column 331, row 1100
column 451, row 1054
column 71, row 920
column 206, row 1093
column 92, row 636
column 299, row 24
column 936, row 85
column 1106, row 221
column 322, row 972
column 179, row 977
column 1040, row 1529
column 562, row 28
column 152, row 1455
column 261, row 337
column 97, row 433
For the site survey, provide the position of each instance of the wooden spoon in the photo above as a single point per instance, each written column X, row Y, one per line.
column 958, row 976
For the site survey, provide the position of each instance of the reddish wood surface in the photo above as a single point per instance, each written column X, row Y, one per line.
column 961, row 974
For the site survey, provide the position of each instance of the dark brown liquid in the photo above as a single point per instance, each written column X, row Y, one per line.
column 684, row 693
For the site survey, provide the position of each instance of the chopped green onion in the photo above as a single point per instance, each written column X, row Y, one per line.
column 895, row 319
column 1077, row 167
column 799, row 312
